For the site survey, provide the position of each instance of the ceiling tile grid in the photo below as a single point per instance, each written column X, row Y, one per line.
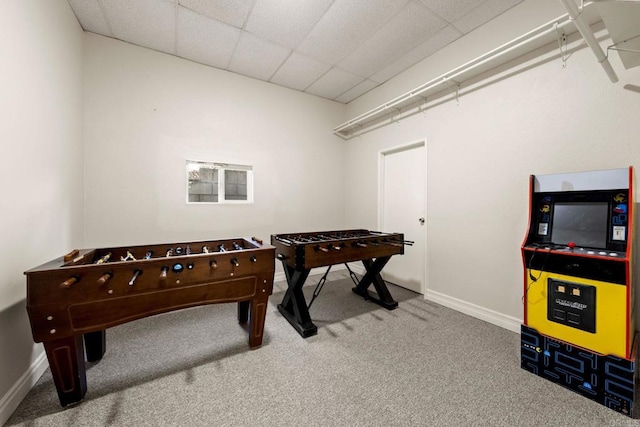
column 148, row 23
column 400, row 35
column 91, row 16
column 299, row 72
column 334, row 83
column 452, row 10
column 336, row 49
column 345, row 26
column 284, row 21
column 232, row 12
column 197, row 35
column 257, row 57
column 434, row 43
column 360, row 89
column 483, row 14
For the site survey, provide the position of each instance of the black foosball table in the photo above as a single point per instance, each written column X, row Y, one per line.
column 73, row 299
column 300, row 252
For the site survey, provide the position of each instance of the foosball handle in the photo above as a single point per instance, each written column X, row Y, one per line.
column 163, row 274
column 68, row 257
column 70, row 281
column 104, row 278
column 136, row 273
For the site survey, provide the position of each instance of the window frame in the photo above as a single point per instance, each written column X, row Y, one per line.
column 221, row 168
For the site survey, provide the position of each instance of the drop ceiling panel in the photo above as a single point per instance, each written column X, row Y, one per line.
column 284, row 21
column 425, row 49
column 257, row 57
column 306, row 45
column 299, row 72
column 483, row 14
column 347, row 25
column 90, row 15
column 334, row 83
column 452, row 10
column 205, row 41
column 405, row 31
column 232, row 12
column 149, row 23
column 356, row 91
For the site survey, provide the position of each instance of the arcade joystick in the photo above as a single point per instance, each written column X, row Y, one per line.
column 571, row 245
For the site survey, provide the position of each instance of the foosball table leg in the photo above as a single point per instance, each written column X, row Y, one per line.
column 382, row 296
column 243, row 311
column 256, row 324
column 95, row 344
column 294, row 306
column 66, row 360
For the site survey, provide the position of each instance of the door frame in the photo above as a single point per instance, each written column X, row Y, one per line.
column 381, row 156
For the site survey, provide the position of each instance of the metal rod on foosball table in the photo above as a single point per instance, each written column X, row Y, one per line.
column 404, row 242
column 319, row 286
column 325, row 237
column 353, row 276
column 385, row 242
column 283, row 240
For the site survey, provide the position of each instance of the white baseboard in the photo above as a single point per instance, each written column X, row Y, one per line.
column 21, row 388
column 493, row 317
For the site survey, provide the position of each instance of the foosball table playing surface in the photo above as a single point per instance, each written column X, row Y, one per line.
column 73, row 299
column 300, row 252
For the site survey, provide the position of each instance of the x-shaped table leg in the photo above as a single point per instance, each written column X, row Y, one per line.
column 372, row 276
column 293, row 306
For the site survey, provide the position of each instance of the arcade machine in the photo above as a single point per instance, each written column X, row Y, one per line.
column 579, row 328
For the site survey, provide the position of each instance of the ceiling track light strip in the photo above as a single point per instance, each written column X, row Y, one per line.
column 344, row 130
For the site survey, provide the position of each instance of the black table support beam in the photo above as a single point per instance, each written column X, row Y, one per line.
column 294, row 306
column 382, row 296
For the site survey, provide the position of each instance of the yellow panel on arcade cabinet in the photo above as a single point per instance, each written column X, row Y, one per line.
column 583, row 312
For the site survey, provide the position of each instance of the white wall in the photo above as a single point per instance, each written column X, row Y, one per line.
column 40, row 167
column 535, row 118
column 147, row 112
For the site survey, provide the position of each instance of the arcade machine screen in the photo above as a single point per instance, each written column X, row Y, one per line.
column 584, row 223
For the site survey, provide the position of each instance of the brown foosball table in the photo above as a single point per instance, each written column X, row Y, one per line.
column 300, row 252
column 72, row 300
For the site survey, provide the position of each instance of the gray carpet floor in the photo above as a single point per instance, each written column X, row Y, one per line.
column 419, row 365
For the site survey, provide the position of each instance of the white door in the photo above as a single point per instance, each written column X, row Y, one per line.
column 403, row 183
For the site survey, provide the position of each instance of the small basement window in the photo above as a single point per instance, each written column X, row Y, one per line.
column 209, row 182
